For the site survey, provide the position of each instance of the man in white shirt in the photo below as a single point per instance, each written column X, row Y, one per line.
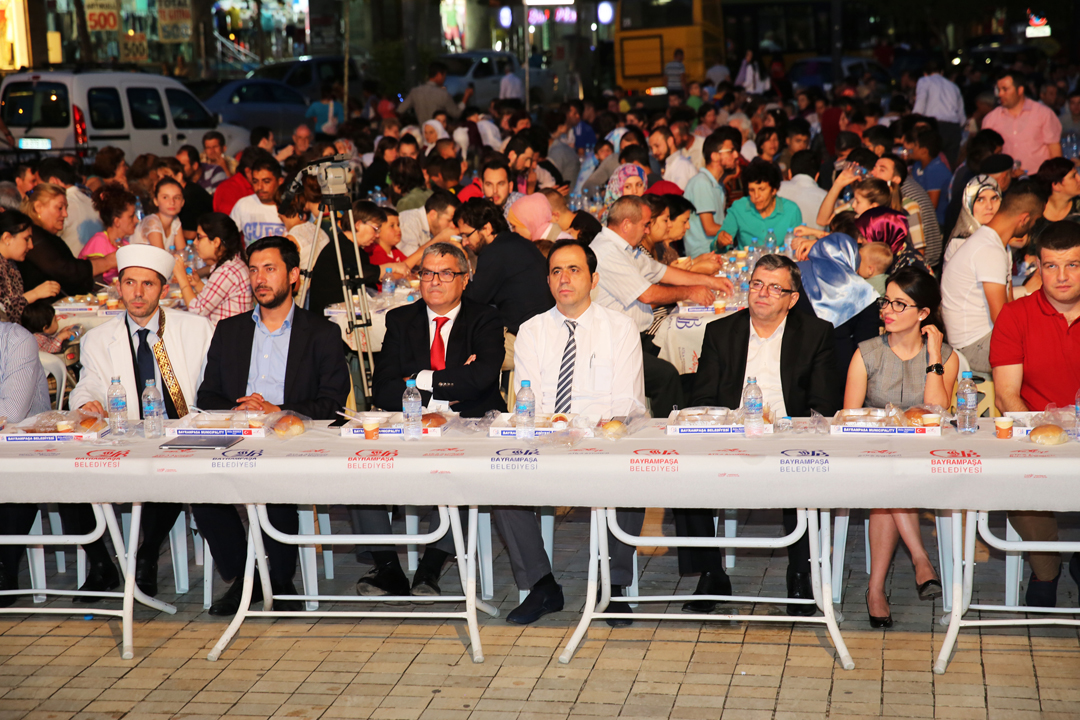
column 939, row 98
column 256, row 215
column 718, row 73
column 420, row 225
column 677, row 167
column 583, row 359
column 691, row 146
column 975, row 281
column 146, row 343
column 631, row 282
column 802, row 188
column 791, row 354
column 511, row 87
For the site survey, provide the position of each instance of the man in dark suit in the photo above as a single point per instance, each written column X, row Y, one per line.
column 277, row 357
column 791, row 355
column 453, row 348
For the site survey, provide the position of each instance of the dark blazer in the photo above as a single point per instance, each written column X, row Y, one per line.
column 326, row 279
column 316, row 376
column 511, row 274
column 51, row 259
column 808, row 370
column 406, row 350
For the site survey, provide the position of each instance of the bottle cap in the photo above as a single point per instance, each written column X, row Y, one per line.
column 966, row 374
column 525, row 384
column 410, row 383
column 150, row 383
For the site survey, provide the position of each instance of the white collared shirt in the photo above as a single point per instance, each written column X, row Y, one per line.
column 939, row 98
column 679, row 170
column 608, row 376
column 625, row 273
column 415, row 230
column 763, row 363
column 424, row 377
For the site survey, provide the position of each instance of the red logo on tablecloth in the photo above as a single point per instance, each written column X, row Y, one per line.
column 655, row 451
column 594, row 451
column 954, row 453
column 445, row 452
column 109, row 454
column 880, row 452
column 175, row 454
column 730, row 451
column 371, row 459
column 1027, row 453
column 101, row 460
column 658, row 461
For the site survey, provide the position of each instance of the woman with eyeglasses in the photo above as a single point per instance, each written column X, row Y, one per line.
column 227, row 291
column 909, row 365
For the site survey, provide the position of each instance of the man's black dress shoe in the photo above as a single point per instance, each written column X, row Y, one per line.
column 100, row 577
column 425, row 582
column 286, row 588
column 385, row 579
column 799, row 588
column 710, row 583
column 618, row 606
column 1043, row 593
column 146, row 571
column 543, row 599
column 8, row 581
column 229, row 603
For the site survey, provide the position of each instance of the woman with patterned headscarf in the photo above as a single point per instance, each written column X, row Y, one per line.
column 628, row 179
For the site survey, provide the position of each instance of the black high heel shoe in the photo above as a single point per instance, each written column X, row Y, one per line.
column 929, row 590
column 877, row 622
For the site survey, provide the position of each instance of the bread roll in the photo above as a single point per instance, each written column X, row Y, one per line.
column 64, row 426
column 89, row 423
column 1049, row 435
column 254, row 423
column 289, row 426
column 613, row 429
column 431, row 420
column 915, row 415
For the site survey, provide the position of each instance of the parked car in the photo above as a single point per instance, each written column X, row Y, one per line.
column 998, row 55
column 308, row 73
column 818, row 71
column 253, row 102
column 483, row 69
column 136, row 112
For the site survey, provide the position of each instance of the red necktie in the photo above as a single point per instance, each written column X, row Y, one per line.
column 438, row 349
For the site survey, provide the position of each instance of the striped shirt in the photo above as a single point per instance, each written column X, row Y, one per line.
column 226, row 293
column 24, row 391
column 625, row 273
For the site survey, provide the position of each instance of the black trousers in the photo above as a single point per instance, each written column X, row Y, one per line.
column 15, row 519
column 663, row 384
column 699, row 523
column 221, row 526
column 157, row 520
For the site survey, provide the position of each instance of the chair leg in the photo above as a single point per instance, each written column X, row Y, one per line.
column 35, row 556
column 485, row 555
column 841, row 520
column 309, row 570
column 731, row 527
column 80, row 565
column 197, row 541
column 328, row 550
column 943, row 522
column 412, row 527
column 866, row 539
column 1014, row 568
column 179, row 554
column 208, row 575
column 55, row 529
column 632, row 591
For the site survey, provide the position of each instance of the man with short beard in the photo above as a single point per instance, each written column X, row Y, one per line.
column 289, row 359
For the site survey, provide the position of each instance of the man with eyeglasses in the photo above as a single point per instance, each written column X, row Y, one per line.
column 511, row 273
column 581, row 358
column 792, row 356
column 706, row 193
column 453, row 348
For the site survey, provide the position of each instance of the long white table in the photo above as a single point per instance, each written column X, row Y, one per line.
column 649, row 469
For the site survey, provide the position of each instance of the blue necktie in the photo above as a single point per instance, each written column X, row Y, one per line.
column 145, row 357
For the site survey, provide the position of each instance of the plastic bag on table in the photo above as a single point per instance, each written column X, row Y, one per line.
column 636, row 420
column 567, row 438
column 818, row 423
column 287, row 424
column 471, row 426
column 1053, row 416
column 913, row 416
column 55, row 421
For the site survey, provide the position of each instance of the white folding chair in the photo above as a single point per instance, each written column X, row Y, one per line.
column 55, row 367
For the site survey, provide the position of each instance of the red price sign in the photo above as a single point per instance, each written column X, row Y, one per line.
column 102, row 15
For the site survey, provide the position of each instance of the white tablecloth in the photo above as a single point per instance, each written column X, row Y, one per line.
column 648, row 469
column 679, row 339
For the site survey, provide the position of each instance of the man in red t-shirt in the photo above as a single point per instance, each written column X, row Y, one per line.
column 1035, row 354
column 239, row 185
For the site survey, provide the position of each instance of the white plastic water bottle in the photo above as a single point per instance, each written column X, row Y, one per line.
column 378, row 198
column 117, row 406
column 191, row 258
column 412, row 412
column 525, row 410
column 153, row 407
column 753, row 402
column 139, row 214
column 770, row 242
column 789, row 240
column 967, row 405
column 388, row 283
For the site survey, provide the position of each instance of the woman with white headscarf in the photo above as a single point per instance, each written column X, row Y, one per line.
column 979, row 203
column 433, row 132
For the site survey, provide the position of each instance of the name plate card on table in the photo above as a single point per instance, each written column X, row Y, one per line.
column 217, row 424
column 35, row 437
column 706, row 424
column 391, row 425
column 505, row 426
column 878, row 430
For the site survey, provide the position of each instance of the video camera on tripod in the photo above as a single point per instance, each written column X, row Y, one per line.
column 332, row 174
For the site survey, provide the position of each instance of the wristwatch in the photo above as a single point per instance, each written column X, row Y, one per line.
column 937, row 368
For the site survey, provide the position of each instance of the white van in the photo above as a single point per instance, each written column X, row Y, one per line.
column 136, row 112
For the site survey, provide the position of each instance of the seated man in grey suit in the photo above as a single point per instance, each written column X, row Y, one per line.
column 580, row 357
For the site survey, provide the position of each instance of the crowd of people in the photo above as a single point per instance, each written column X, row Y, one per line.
column 919, row 234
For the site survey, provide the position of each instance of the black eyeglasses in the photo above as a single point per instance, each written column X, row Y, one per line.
column 897, row 306
column 468, row 235
column 445, row 276
column 774, row 290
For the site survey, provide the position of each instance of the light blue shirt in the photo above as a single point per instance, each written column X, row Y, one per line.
column 707, row 196
column 269, row 355
column 24, row 391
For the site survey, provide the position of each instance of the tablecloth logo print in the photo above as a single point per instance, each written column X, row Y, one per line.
column 1028, row 453
column 237, row 460
column 730, row 451
column 445, row 452
column 951, row 462
column 372, row 459
column 589, row 451
column 880, row 452
column 516, row 459
column 804, row 461
column 655, row 460
column 101, row 460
